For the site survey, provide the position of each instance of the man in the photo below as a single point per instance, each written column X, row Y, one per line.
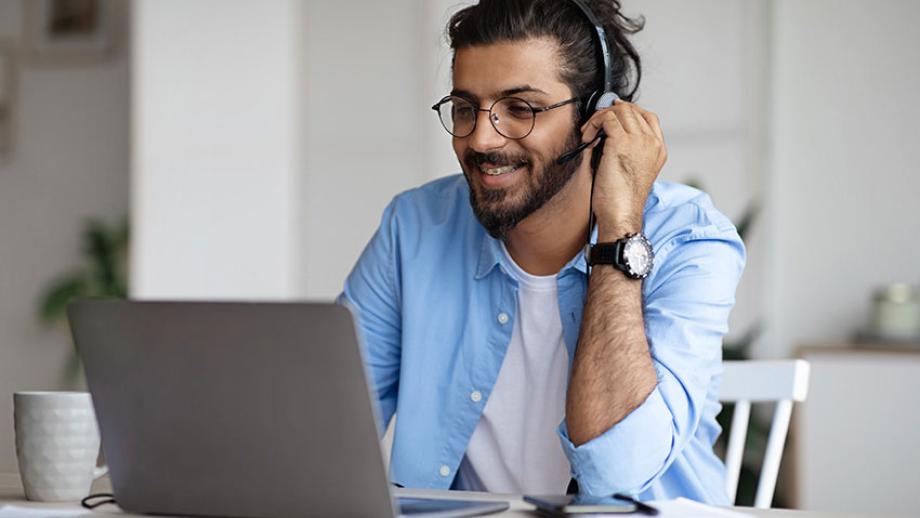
column 511, row 365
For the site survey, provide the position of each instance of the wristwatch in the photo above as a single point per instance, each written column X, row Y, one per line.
column 632, row 255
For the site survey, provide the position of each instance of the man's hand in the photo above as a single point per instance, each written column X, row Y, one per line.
column 633, row 155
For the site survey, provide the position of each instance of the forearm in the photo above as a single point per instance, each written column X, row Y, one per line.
column 612, row 373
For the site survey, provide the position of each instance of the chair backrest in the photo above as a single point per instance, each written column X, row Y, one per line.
column 746, row 382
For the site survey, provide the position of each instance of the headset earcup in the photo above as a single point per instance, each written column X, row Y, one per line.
column 598, row 101
column 606, row 100
column 588, row 109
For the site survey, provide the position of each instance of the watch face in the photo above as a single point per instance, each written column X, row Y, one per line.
column 637, row 254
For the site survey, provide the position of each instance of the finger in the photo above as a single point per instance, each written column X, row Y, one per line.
column 602, row 120
column 638, row 124
column 652, row 120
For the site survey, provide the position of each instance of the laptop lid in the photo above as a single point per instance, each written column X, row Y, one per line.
column 232, row 408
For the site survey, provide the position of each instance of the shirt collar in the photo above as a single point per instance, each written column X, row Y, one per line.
column 490, row 253
column 490, row 256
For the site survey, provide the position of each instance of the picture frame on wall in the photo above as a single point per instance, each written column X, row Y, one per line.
column 7, row 96
column 69, row 32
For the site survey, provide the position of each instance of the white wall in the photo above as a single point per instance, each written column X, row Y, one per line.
column 268, row 141
column 703, row 74
column 844, row 178
column 843, row 220
column 217, row 94
column 364, row 117
column 70, row 164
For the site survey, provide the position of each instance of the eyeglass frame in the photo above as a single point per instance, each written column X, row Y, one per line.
column 533, row 119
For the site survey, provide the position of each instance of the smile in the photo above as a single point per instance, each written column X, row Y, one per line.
column 497, row 171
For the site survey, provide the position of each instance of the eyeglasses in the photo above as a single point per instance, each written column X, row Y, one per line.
column 512, row 117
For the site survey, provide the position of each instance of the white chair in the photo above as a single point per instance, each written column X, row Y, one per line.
column 746, row 382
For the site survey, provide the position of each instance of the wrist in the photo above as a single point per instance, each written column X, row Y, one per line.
column 610, row 232
column 614, row 225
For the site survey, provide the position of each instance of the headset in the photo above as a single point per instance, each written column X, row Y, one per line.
column 598, row 99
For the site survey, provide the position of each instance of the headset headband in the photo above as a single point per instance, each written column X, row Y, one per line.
column 607, row 96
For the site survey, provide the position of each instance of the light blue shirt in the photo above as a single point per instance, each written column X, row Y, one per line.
column 436, row 307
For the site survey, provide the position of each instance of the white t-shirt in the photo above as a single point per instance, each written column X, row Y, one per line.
column 515, row 448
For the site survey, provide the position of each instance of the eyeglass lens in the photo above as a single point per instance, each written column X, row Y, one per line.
column 510, row 116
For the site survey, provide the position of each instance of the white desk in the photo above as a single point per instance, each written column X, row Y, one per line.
column 11, row 493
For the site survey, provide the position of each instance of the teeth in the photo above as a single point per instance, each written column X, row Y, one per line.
column 500, row 170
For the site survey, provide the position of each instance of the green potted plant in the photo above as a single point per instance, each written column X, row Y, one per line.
column 103, row 273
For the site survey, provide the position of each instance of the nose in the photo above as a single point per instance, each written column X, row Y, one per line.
column 484, row 136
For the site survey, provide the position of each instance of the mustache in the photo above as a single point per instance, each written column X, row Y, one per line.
column 475, row 159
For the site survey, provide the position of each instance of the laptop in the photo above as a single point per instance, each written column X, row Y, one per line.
column 239, row 409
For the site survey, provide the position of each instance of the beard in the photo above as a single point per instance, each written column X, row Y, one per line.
column 500, row 210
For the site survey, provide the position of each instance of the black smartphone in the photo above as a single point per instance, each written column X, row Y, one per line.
column 560, row 505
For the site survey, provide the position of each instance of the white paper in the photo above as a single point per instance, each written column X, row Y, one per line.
column 19, row 511
column 685, row 508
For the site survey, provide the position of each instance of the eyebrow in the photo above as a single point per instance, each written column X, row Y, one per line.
column 504, row 93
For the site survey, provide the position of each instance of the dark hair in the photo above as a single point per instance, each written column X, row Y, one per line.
column 495, row 21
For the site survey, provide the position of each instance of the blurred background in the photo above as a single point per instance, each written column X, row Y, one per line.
column 246, row 150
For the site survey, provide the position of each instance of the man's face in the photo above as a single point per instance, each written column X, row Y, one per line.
column 510, row 179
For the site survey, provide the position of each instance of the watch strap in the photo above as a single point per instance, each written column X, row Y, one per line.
column 606, row 253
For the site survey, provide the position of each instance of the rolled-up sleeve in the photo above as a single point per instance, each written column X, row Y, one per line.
column 687, row 304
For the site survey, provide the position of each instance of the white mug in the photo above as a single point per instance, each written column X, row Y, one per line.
column 57, row 443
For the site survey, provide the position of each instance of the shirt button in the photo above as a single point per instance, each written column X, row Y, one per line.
column 476, row 396
column 503, row 318
column 444, row 471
